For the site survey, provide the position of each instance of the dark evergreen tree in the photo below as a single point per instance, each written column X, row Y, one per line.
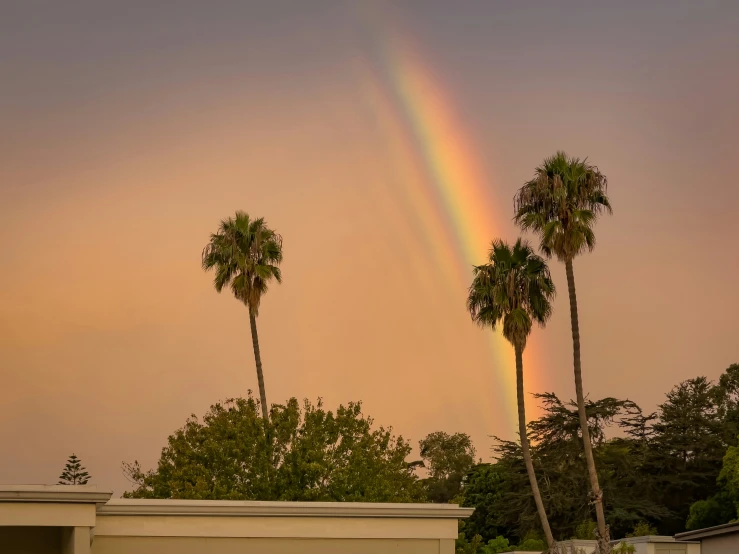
column 74, row 473
column 686, row 452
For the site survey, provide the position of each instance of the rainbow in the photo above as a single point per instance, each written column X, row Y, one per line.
column 455, row 214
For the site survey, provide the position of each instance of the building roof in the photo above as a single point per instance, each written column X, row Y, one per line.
column 131, row 506
column 89, row 494
column 77, row 494
column 724, row 529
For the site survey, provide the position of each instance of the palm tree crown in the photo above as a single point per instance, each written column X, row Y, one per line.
column 514, row 288
column 561, row 204
column 245, row 254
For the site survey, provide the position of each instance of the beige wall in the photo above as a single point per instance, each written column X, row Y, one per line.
column 76, row 540
column 51, row 514
column 694, row 548
column 64, row 520
column 200, row 534
column 153, row 525
column 721, row 544
column 30, row 540
column 667, row 548
column 199, row 545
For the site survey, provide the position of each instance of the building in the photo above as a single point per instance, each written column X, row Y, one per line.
column 59, row 519
column 722, row 539
column 658, row 544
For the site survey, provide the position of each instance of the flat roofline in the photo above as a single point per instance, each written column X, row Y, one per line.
column 710, row 531
column 650, row 539
column 75, row 494
column 81, row 494
column 136, row 507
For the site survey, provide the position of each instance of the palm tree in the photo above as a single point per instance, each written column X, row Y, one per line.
column 515, row 288
column 245, row 254
column 561, row 204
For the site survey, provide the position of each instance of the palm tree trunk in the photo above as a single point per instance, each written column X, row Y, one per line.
column 526, row 452
column 597, row 494
column 258, row 360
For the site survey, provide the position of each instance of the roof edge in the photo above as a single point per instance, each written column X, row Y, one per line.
column 137, row 507
column 74, row 494
column 709, row 531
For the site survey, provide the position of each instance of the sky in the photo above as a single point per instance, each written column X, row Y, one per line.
column 385, row 142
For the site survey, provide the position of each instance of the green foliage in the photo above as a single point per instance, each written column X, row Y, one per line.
column 463, row 545
column 497, row 545
column 729, row 479
column 727, row 397
column 297, row 454
column 531, row 545
column 673, row 458
column 716, row 510
column 485, row 488
column 448, row 458
column 642, row 529
column 561, row 467
column 673, row 468
column 531, row 542
column 586, row 530
column 686, row 450
column 624, row 548
column 74, row 473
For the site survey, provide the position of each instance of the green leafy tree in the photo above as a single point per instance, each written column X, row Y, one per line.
column 727, row 398
column 515, row 289
column 532, row 545
column 305, row 454
column 74, row 473
column 484, row 488
column 448, row 458
column 642, row 529
column 561, row 204
column 245, row 254
column 586, row 530
column 465, row 545
column 497, row 545
column 729, row 476
column 716, row 510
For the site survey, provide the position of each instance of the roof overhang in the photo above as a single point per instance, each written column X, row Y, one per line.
column 698, row 534
column 171, row 507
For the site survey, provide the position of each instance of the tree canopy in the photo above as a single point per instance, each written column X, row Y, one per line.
column 447, row 458
column 663, row 472
column 300, row 453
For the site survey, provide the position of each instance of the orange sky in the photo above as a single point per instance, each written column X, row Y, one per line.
column 127, row 134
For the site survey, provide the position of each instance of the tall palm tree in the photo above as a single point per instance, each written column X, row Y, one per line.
column 515, row 288
column 561, row 204
column 245, row 254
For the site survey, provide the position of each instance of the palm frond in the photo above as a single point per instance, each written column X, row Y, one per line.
column 513, row 289
column 561, row 203
column 245, row 254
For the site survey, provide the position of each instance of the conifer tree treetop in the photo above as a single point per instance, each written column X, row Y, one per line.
column 74, row 473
